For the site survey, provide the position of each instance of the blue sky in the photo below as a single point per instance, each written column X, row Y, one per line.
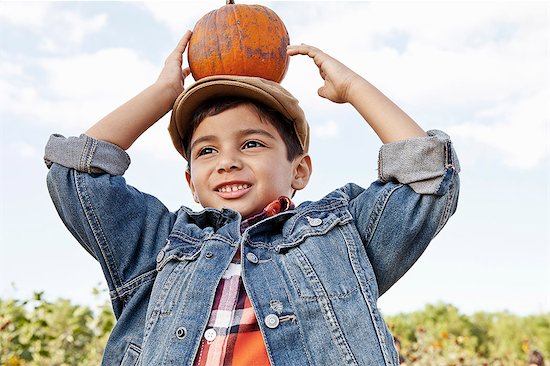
column 478, row 71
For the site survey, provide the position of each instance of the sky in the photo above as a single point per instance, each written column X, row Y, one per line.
column 477, row 70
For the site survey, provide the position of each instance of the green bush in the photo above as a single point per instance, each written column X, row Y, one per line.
column 38, row 332
column 440, row 335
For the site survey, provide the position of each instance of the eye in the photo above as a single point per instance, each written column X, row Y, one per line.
column 206, row 151
column 252, row 143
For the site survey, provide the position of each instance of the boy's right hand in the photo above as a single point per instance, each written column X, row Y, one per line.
column 172, row 74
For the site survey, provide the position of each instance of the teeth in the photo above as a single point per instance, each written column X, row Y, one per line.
column 233, row 188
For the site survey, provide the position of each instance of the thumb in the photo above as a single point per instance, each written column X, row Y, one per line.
column 322, row 92
column 186, row 72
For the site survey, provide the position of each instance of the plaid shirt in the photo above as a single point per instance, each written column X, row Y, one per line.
column 233, row 337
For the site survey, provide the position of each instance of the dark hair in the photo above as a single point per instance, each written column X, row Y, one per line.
column 212, row 107
column 535, row 358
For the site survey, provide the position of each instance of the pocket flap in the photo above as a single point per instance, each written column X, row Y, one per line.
column 179, row 248
column 313, row 223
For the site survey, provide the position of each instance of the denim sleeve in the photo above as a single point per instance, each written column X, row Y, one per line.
column 398, row 215
column 86, row 154
column 120, row 226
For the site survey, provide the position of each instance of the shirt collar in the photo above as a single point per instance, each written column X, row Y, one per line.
column 281, row 204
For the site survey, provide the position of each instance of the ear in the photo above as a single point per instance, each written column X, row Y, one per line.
column 302, row 172
column 191, row 185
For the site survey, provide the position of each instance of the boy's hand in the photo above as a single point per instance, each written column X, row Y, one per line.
column 342, row 85
column 337, row 76
column 172, row 74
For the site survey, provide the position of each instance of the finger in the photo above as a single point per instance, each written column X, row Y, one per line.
column 321, row 92
column 186, row 72
column 182, row 44
column 303, row 49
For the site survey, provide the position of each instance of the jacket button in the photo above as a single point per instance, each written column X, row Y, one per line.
column 314, row 221
column 210, row 334
column 271, row 321
column 209, row 255
column 181, row 332
column 160, row 255
column 252, row 257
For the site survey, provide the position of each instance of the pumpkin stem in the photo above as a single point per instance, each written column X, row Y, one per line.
column 229, row 2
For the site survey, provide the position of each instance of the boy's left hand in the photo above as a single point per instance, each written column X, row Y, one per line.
column 337, row 76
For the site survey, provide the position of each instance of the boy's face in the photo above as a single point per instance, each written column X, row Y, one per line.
column 239, row 161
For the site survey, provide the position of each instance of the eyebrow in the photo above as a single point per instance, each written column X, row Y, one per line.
column 241, row 133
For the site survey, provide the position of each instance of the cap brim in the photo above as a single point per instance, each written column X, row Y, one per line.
column 216, row 87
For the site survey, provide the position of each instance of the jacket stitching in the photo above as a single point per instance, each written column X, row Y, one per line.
column 377, row 211
column 131, row 286
column 371, row 303
column 90, row 156
column 293, row 307
column 451, row 196
column 80, row 166
column 327, row 310
column 98, row 233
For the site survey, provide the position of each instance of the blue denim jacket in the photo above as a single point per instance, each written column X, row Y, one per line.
column 315, row 276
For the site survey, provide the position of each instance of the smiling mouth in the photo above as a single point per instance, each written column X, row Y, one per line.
column 233, row 188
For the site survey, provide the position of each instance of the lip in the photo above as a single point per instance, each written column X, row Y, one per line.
column 233, row 194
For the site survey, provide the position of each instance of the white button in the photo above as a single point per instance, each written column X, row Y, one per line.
column 181, row 332
column 271, row 321
column 252, row 257
column 160, row 255
column 314, row 221
column 210, row 334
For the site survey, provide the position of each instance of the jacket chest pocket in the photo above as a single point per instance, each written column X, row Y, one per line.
column 175, row 263
column 319, row 265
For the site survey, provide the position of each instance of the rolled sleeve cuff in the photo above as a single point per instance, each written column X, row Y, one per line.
column 424, row 163
column 86, row 154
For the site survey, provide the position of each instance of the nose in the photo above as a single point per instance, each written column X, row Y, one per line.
column 228, row 161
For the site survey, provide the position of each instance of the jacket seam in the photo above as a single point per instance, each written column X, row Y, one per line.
column 367, row 295
column 128, row 288
column 448, row 206
column 377, row 212
column 98, row 233
column 293, row 306
column 327, row 310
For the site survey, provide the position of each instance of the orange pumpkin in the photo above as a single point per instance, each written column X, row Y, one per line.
column 237, row 39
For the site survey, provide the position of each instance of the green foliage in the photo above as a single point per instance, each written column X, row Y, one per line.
column 440, row 335
column 38, row 332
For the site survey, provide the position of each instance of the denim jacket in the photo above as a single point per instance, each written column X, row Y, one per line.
column 313, row 274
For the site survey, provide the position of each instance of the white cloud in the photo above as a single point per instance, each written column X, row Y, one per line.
column 23, row 150
column 182, row 15
column 328, row 130
column 69, row 30
column 57, row 29
column 24, row 14
column 521, row 134
column 10, row 68
column 78, row 90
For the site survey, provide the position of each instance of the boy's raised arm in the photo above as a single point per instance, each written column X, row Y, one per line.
column 125, row 124
column 342, row 85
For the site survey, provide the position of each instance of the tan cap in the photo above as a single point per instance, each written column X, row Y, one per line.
column 268, row 92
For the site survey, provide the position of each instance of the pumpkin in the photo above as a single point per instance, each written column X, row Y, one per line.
column 238, row 39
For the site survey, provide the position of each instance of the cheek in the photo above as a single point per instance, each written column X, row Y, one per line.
column 197, row 177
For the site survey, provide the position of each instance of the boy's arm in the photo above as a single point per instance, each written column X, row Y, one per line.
column 125, row 124
column 342, row 85
column 418, row 186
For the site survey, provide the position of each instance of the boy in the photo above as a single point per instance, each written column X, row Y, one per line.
column 251, row 279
